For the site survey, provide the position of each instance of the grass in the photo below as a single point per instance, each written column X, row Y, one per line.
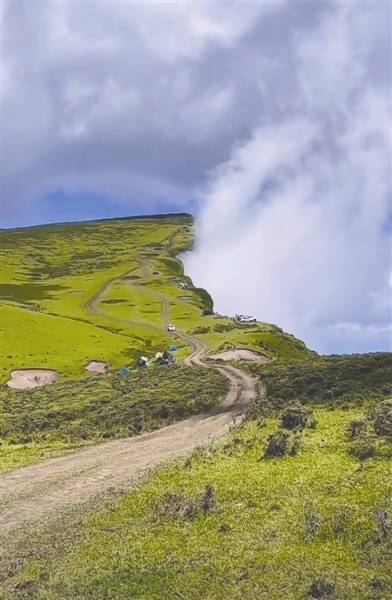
column 274, row 527
column 44, row 422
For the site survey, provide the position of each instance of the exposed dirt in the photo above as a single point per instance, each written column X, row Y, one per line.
column 240, row 355
column 97, row 366
column 25, row 379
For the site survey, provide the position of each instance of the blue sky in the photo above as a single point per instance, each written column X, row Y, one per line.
column 270, row 121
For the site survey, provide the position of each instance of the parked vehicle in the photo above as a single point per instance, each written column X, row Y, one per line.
column 171, row 328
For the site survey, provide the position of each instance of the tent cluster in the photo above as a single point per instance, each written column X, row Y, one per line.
column 161, row 358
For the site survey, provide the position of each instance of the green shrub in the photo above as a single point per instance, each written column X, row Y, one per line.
column 312, row 521
column 295, row 416
column 364, row 447
column 382, row 421
column 182, row 507
column 322, row 588
column 108, row 406
column 282, row 443
column 329, row 379
column 356, row 428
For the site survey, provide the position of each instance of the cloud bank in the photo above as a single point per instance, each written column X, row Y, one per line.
column 270, row 119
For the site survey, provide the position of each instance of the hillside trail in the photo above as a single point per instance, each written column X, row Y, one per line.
column 36, row 491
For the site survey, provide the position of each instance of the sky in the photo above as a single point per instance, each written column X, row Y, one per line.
column 270, row 121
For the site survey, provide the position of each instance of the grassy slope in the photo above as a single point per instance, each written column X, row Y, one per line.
column 60, row 269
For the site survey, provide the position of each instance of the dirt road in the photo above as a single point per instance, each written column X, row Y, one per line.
column 33, row 492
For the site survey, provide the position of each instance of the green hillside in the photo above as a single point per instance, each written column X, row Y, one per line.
column 296, row 502
column 106, row 290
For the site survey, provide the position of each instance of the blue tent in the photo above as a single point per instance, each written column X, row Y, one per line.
column 124, row 371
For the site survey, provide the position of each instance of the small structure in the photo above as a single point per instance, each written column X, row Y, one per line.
column 143, row 361
column 158, row 355
column 244, row 319
column 173, row 348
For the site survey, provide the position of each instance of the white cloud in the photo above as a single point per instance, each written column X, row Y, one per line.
column 271, row 117
column 294, row 222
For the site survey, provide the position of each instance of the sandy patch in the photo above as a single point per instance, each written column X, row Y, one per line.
column 97, row 366
column 240, row 355
column 25, row 379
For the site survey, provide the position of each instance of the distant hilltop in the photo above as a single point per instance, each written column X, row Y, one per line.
column 132, row 218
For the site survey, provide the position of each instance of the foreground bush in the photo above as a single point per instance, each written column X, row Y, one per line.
column 382, row 422
column 295, row 416
column 322, row 588
column 282, row 443
column 180, row 506
column 356, row 428
column 364, row 447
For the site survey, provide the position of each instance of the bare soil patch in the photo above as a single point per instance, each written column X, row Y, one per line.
column 240, row 355
column 97, row 366
column 24, row 379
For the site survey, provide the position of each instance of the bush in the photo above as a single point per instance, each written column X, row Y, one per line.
column 364, row 447
column 312, row 521
column 356, row 428
column 382, row 421
column 282, row 443
column 295, row 416
column 384, row 524
column 179, row 506
column 321, row 588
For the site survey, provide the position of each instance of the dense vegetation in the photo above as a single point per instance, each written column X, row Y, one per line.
column 327, row 380
column 102, row 407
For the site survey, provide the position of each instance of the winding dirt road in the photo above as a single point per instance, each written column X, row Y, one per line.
column 33, row 492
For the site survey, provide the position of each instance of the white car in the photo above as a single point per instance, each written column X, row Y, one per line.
column 171, row 328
